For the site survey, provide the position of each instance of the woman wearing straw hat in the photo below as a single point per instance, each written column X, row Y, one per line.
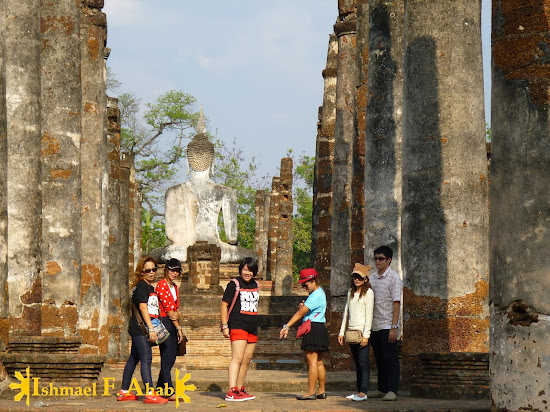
column 358, row 317
column 316, row 341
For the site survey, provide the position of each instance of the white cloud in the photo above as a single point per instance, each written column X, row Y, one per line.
column 124, row 13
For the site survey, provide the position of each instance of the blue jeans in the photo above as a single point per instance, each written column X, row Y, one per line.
column 387, row 361
column 362, row 367
column 140, row 353
column 168, row 351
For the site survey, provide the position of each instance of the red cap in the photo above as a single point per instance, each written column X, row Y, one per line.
column 307, row 274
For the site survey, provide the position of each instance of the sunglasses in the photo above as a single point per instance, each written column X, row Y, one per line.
column 153, row 270
column 175, row 270
column 357, row 277
column 304, row 285
column 380, row 259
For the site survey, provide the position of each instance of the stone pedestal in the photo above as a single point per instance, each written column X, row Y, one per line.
column 51, row 358
column 452, row 375
column 204, row 267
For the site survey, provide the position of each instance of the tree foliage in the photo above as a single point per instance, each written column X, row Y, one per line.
column 157, row 137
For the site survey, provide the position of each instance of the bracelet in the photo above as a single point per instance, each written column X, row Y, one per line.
column 395, row 326
column 285, row 326
column 223, row 326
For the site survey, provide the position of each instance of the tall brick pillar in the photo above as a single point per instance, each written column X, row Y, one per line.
column 384, row 130
column 61, row 111
column 520, row 207
column 93, row 32
column 357, row 238
column 4, row 298
column 283, row 268
column 342, row 177
column 324, row 156
column 273, row 232
column 114, row 284
column 22, row 81
column 126, row 271
column 262, row 229
column 445, row 204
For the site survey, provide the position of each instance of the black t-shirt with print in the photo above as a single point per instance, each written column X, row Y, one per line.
column 245, row 312
column 143, row 293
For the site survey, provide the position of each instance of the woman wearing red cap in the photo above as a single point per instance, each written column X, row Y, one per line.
column 316, row 341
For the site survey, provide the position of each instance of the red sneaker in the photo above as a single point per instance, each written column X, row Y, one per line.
column 246, row 396
column 234, row 395
column 128, row 396
column 155, row 399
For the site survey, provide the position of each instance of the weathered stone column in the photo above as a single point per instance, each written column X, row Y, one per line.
column 384, row 130
column 114, row 283
column 273, row 229
column 283, row 271
column 125, row 273
column 357, row 238
column 344, row 136
column 262, row 228
column 445, row 205
column 4, row 297
column 132, row 214
column 324, row 156
column 93, row 171
column 22, row 76
column 61, row 100
column 520, row 208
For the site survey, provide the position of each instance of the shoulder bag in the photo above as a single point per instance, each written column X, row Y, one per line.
column 304, row 328
column 182, row 346
column 353, row 336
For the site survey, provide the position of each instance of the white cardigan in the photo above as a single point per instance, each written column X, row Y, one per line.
column 360, row 313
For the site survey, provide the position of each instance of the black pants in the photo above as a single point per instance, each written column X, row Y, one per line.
column 387, row 361
column 362, row 367
column 140, row 353
column 168, row 350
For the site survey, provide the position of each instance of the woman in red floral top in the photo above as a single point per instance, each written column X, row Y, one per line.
column 168, row 295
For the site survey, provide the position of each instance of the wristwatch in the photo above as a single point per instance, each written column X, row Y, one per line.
column 285, row 326
column 395, row 326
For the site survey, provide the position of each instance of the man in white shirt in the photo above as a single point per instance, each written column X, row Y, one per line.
column 388, row 288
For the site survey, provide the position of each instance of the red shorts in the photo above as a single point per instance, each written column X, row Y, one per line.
column 239, row 334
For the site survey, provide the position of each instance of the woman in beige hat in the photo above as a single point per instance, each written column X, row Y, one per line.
column 358, row 317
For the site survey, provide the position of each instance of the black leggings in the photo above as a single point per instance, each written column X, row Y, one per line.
column 168, row 351
column 140, row 353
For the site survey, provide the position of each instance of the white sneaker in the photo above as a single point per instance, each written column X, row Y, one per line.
column 350, row 396
column 359, row 398
column 390, row 396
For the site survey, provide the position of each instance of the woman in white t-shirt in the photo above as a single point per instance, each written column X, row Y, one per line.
column 358, row 317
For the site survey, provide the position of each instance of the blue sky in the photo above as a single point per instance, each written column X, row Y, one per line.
column 254, row 65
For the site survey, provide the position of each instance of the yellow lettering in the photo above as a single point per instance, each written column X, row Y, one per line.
column 93, row 393
column 44, row 391
column 35, row 391
column 53, row 390
column 88, row 391
column 149, row 390
column 168, row 391
column 135, row 386
column 108, row 383
column 66, row 391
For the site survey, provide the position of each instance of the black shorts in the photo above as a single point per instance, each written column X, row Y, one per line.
column 317, row 339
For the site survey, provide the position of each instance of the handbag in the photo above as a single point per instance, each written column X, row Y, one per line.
column 304, row 328
column 159, row 328
column 182, row 346
column 353, row 336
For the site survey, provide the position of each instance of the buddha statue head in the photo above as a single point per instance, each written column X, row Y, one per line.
column 200, row 151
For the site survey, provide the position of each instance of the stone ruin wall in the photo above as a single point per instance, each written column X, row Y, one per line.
column 426, row 184
column 436, row 213
column 64, row 255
